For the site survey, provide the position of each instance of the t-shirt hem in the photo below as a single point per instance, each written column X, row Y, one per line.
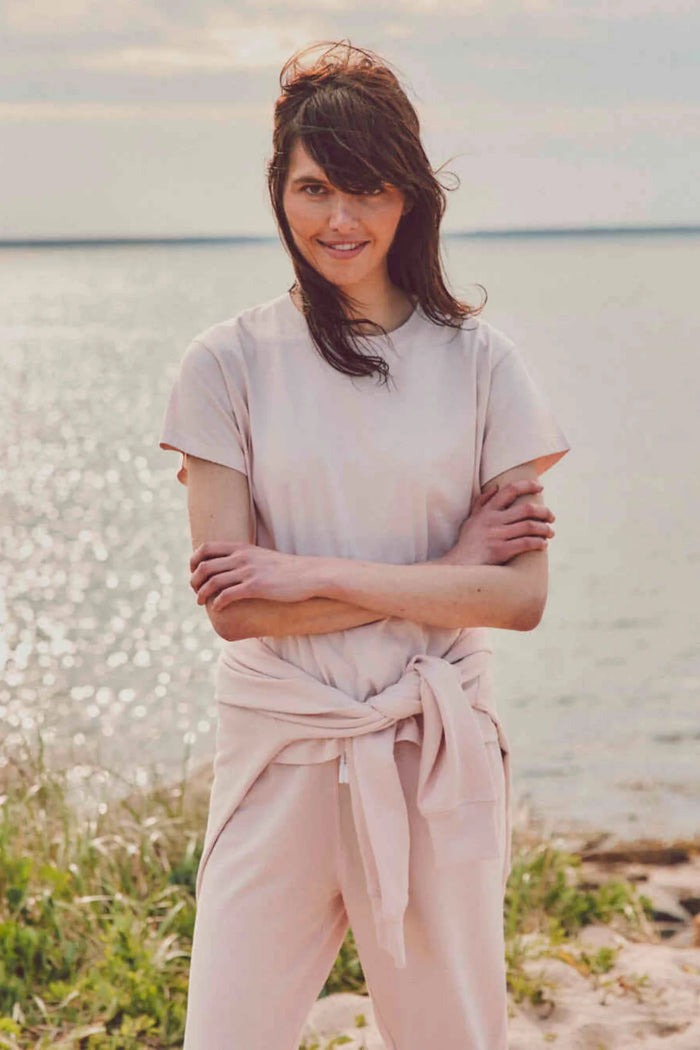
column 544, row 458
column 202, row 451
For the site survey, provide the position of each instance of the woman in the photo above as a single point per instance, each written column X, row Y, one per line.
column 352, row 557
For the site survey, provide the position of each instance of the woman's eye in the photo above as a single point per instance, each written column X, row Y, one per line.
column 310, row 191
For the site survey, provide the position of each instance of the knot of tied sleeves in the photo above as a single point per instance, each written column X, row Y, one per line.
column 279, row 703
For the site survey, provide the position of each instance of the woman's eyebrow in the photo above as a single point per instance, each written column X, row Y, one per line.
column 308, row 178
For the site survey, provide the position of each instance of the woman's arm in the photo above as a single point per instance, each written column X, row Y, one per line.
column 347, row 593
column 219, row 508
column 510, row 596
column 260, row 617
column 506, row 596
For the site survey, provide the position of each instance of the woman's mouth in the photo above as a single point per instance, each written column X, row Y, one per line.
column 344, row 249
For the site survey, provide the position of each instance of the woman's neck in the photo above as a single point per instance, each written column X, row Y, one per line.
column 390, row 311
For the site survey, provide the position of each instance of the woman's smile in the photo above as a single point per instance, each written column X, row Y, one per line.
column 343, row 249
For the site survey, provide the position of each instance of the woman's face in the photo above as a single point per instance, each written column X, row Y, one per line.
column 320, row 215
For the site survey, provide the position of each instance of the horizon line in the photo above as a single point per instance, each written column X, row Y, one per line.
column 531, row 231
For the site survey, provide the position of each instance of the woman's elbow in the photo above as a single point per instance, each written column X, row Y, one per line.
column 528, row 611
column 229, row 631
column 227, row 625
column 246, row 618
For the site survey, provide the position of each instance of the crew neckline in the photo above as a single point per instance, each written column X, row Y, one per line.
column 396, row 334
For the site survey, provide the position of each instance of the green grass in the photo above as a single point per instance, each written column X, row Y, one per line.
column 96, row 915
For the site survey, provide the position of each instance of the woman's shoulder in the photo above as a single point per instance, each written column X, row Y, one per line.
column 480, row 338
column 248, row 329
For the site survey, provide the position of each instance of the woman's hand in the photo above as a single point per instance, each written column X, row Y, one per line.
column 494, row 532
column 232, row 571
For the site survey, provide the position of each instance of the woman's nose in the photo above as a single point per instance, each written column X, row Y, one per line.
column 343, row 212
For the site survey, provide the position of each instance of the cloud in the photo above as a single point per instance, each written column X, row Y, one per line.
column 41, row 112
column 561, row 10
column 44, row 18
column 70, row 17
column 258, row 48
column 148, row 39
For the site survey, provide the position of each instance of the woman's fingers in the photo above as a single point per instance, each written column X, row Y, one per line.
column 508, row 549
column 509, row 492
column 519, row 511
column 214, row 567
column 526, row 543
column 525, row 528
column 214, row 549
column 215, row 584
column 230, row 595
column 484, row 497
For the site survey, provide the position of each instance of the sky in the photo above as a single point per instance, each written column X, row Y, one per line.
column 154, row 118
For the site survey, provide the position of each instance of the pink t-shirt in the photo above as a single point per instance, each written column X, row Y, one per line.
column 347, row 467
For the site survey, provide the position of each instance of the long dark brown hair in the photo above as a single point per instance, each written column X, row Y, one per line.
column 353, row 117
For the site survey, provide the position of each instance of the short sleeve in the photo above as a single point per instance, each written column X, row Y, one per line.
column 199, row 416
column 520, row 425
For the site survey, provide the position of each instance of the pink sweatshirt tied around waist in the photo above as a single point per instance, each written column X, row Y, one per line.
column 271, row 704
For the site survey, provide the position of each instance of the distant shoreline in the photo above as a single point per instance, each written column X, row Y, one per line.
column 554, row 231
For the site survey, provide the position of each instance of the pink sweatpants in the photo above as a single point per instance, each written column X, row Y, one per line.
column 283, row 883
